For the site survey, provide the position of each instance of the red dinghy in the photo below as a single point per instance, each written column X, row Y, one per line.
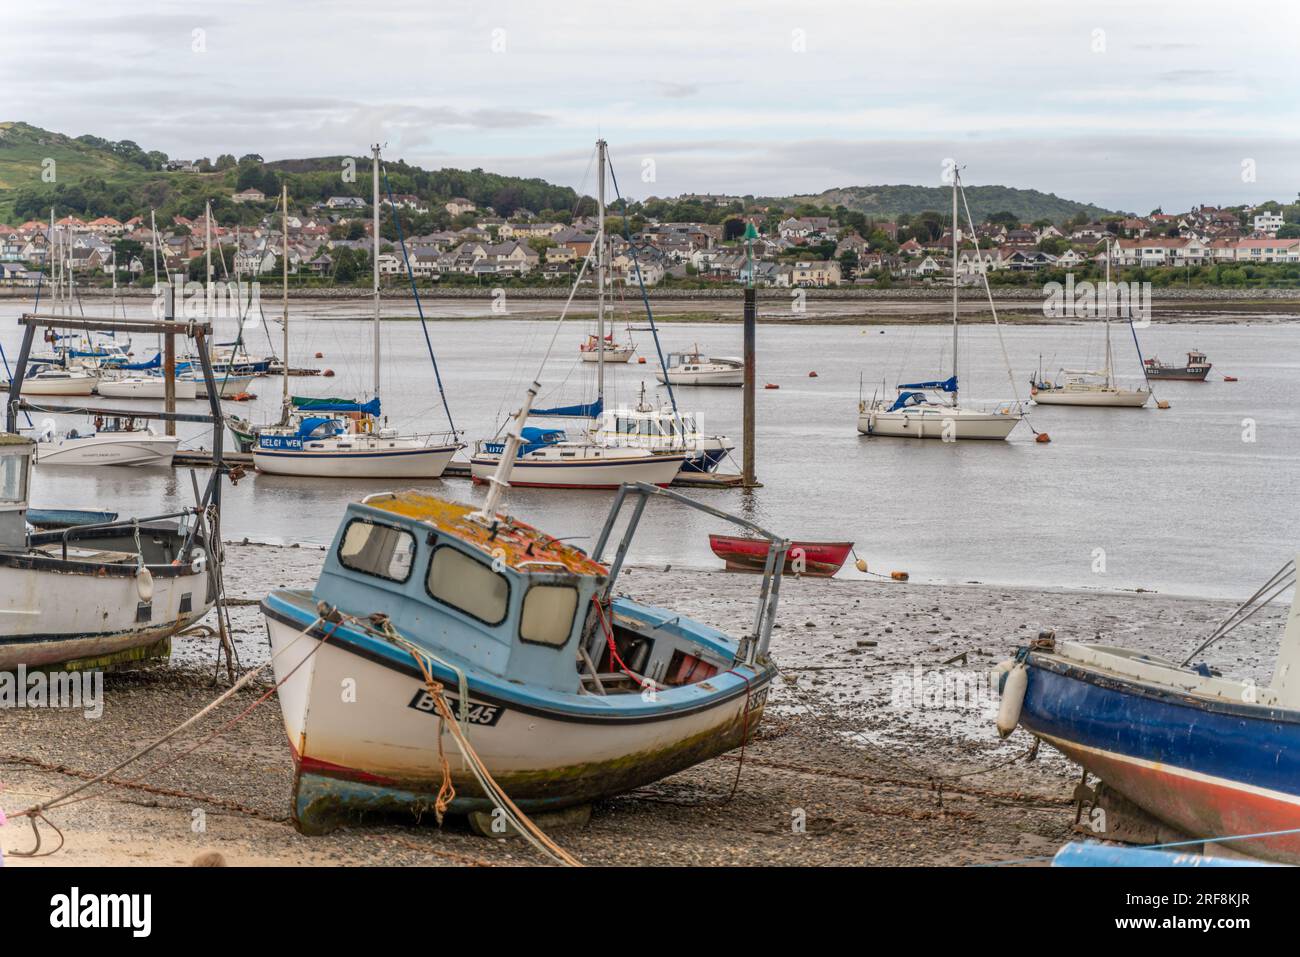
column 820, row 559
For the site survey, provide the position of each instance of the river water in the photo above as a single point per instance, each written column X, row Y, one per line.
column 1197, row 499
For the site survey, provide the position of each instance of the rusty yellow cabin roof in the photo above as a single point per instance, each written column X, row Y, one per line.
column 518, row 544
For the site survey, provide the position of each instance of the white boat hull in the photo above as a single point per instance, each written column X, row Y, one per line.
column 1094, row 398
column 144, row 387
column 386, row 752
column 229, row 385
column 608, row 469
column 722, row 377
column 49, row 617
column 945, row 425
column 109, row 448
column 611, row 355
column 382, row 458
column 74, row 384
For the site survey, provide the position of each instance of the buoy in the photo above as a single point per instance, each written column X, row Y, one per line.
column 1229, row 378
column 320, row 355
column 327, row 373
column 861, row 565
column 144, row 583
column 771, row 385
column 898, row 576
column 1013, row 696
column 812, row 375
column 640, row 360
column 1162, row 404
column 1042, row 437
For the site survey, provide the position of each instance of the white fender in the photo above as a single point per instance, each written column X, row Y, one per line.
column 1013, row 696
column 1000, row 669
column 144, row 583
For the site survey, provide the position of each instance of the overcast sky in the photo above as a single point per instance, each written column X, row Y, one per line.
column 1131, row 104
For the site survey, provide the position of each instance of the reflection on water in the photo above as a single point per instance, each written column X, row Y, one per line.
column 1172, row 500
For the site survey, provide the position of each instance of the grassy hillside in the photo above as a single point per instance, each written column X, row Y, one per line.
column 96, row 177
column 889, row 201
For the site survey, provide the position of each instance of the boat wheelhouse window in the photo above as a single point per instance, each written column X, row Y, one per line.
column 468, row 585
column 384, row 551
column 547, row 617
column 13, row 478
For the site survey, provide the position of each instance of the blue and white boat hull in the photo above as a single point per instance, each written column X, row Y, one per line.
column 378, row 751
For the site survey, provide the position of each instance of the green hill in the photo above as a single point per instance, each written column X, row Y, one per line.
column 890, row 201
column 97, row 177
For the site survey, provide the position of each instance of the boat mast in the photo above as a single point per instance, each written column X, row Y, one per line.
column 284, row 286
column 954, row 284
column 1106, row 319
column 600, row 274
column 374, row 256
column 207, row 265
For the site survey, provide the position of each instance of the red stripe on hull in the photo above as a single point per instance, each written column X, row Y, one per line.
column 1199, row 807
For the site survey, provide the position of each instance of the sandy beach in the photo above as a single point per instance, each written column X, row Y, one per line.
column 855, row 763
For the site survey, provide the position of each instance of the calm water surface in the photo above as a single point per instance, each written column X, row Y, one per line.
column 1178, row 500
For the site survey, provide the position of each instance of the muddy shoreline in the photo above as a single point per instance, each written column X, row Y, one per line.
column 876, row 771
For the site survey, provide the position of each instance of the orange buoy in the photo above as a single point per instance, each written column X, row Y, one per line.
column 320, row 355
column 771, row 385
column 1162, row 404
column 327, row 373
column 899, row 576
column 812, row 375
column 640, row 360
column 1042, row 437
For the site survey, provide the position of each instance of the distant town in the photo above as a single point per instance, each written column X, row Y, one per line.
column 330, row 242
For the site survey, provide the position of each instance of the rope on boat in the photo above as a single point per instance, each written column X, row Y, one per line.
column 1283, row 578
column 496, row 794
column 37, row 811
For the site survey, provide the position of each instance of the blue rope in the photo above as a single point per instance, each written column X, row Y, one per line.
column 410, row 274
column 645, row 299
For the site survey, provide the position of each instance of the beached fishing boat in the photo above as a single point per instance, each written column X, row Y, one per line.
column 748, row 554
column 114, row 440
column 92, row 592
column 1209, row 755
column 1195, row 369
column 566, row 693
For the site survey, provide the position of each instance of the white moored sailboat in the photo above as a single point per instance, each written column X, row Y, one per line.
column 551, row 458
column 913, row 413
column 1088, row 388
column 333, row 438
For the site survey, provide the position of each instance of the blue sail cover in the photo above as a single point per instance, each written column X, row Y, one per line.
column 947, row 385
column 153, row 363
column 310, row 424
column 588, row 410
column 905, row 399
column 335, row 405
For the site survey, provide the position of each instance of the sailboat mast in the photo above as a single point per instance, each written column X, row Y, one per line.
column 284, row 285
column 374, row 257
column 600, row 275
column 954, row 284
column 1110, row 375
column 207, row 263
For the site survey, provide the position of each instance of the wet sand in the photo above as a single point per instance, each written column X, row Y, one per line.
column 875, row 774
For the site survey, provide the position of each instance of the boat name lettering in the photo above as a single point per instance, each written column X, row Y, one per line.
column 484, row 714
